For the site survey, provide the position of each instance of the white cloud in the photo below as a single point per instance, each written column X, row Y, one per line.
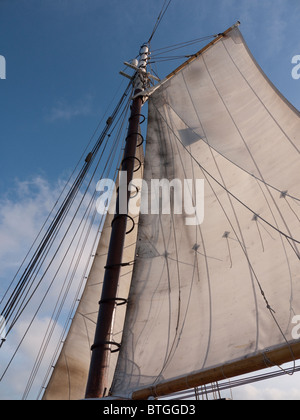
column 66, row 111
column 284, row 387
column 21, row 216
column 15, row 381
column 264, row 21
column 272, row 393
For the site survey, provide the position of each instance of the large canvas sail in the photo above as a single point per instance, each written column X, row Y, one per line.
column 224, row 292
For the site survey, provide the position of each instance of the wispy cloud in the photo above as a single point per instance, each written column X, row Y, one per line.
column 22, row 214
column 268, row 393
column 257, row 16
column 64, row 110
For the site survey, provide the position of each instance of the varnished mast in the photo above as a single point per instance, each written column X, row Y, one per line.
column 97, row 381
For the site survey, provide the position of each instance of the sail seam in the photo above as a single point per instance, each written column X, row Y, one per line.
column 226, row 235
column 231, row 161
column 234, row 196
column 242, row 247
column 250, row 153
column 205, row 256
column 206, row 173
column 268, row 111
column 244, row 170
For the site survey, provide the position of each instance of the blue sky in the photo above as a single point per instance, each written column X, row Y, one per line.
column 62, row 64
column 63, row 58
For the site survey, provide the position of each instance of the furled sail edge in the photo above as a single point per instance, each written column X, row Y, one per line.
column 69, row 377
column 279, row 356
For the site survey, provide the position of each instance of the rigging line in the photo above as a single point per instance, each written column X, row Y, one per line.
column 159, row 19
column 79, row 205
column 257, row 180
column 170, row 352
column 58, row 199
column 235, row 383
column 198, row 231
column 232, row 207
column 68, row 197
column 37, row 261
column 39, row 359
column 54, row 318
column 61, row 213
column 272, row 312
column 283, row 246
column 250, row 154
column 37, row 269
column 164, row 54
column 292, row 210
column 68, row 318
column 166, row 59
column 169, row 338
column 297, row 200
column 259, row 234
column 34, row 242
column 165, row 267
column 22, row 309
column 179, row 331
column 229, row 192
column 249, row 151
column 184, row 44
column 38, row 309
column 206, row 174
column 42, row 301
column 229, row 251
column 256, row 94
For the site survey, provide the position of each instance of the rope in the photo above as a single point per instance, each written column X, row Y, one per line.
column 209, row 389
column 28, row 285
column 224, row 188
column 243, row 247
column 21, row 295
column 159, row 19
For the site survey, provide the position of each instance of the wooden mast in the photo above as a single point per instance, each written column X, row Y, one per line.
column 97, row 381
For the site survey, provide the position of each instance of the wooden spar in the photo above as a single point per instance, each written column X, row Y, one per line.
column 213, row 42
column 97, row 380
column 261, row 361
column 218, row 38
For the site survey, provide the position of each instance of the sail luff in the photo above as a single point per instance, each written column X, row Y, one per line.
column 277, row 357
column 70, row 372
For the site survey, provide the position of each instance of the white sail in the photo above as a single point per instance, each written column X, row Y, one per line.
column 69, row 378
column 209, row 296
